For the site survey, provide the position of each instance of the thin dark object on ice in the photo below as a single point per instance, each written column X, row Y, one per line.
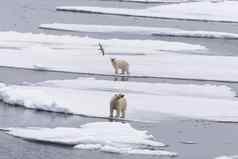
column 101, row 49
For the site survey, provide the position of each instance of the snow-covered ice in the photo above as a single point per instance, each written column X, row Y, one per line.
column 220, row 68
column 139, row 30
column 225, row 11
column 75, row 54
column 163, row 89
column 227, row 157
column 85, row 45
column 168, row 1
column 103, row 136
column 69, row 97
column 155, row 1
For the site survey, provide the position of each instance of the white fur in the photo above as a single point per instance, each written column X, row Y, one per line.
column 119, row 104
column 120, row 64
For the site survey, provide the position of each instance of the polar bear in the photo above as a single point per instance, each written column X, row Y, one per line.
column 120, row 64
column 118, row 103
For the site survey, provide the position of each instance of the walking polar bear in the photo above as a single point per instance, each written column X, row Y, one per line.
column 120, row 64
column 118, row 103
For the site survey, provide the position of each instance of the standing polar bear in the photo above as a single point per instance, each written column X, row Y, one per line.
column 118, row 103
column 120, row 64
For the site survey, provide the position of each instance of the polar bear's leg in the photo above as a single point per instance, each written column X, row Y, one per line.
column 116, row 70
column 118, row 113
column 111, row 112
column 123, row 112
column 127, row 71
column 123, row 71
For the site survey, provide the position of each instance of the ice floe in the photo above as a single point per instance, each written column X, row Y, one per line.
column 157, row 31
column 103, row 136
column 227, row 157
column 155, row 1
column 192, row 90
column 168, row 1
column 85, row 45
column 74, row 54
column 197, row 67
column 225, row 11
column 94, row 100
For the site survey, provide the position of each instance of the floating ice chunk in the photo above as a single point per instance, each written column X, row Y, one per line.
column 139, row 30
column 40, row 49
column 188, row 142
column 91, row 98
column 138, row 151
column 103, row 136
column 2, row 85
column 197, row 11
column 73, row 45
column 89, row 146
column 227, row 157
column 155, row 1
column 31, row 98
column 206, row 91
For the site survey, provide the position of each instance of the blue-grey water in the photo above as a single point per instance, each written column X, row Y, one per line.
column 213, row 139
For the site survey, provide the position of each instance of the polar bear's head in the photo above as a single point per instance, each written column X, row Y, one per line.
column 113, row 59
column 121, row 95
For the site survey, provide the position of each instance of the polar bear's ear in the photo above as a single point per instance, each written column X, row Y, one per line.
column 122, row 95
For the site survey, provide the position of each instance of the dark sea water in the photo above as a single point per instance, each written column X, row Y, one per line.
column 212, row 139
